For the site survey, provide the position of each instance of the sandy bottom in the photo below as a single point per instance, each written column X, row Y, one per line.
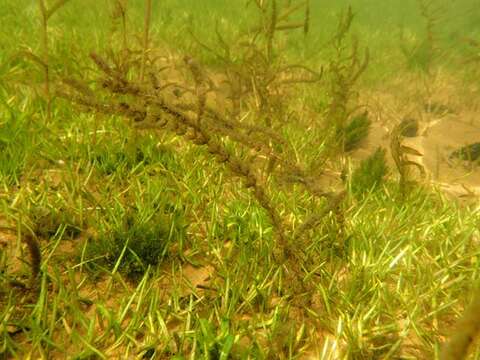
column 453, row 123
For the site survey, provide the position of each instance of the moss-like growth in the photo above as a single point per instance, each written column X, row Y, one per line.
column 135, row 237
column 356, row 131
column 370, row 174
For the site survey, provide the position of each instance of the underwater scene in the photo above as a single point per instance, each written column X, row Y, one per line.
column 243, row 179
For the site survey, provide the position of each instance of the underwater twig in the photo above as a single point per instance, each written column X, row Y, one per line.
column 465, row 332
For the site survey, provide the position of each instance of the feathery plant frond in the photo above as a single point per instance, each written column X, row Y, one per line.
column 182, row 107
column 345, row 68
column 46, row 13
column 423, row 53
column 119, row 15
column 146, row 32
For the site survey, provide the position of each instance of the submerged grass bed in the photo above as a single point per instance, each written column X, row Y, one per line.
column 244, row 226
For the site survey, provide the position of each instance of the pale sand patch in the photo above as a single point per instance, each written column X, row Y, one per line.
column 448, row 120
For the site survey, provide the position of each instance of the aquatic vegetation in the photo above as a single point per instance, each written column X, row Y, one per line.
column 370, row 174
column 469, row 152
column 235, row 183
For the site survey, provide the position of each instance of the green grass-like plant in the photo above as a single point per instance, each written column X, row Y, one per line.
column 15, row 143
column 213, row 223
